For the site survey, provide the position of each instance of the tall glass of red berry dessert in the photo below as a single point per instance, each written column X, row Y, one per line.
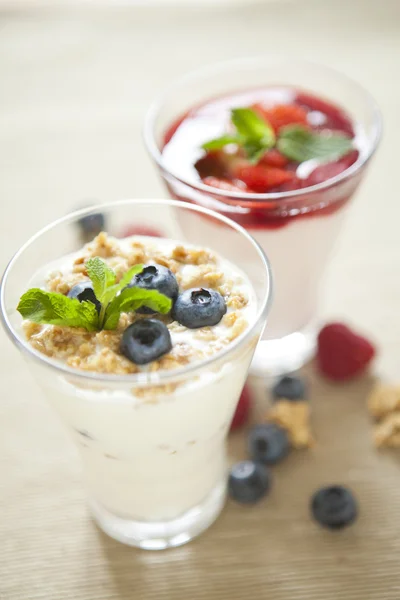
column 280, row 147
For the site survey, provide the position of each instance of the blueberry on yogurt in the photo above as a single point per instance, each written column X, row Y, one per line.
column 145, row 341
column 84, row 293
column 156, row 277
column 199, row 307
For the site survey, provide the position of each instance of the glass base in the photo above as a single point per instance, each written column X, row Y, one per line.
column 163, row 534
column 284, row 355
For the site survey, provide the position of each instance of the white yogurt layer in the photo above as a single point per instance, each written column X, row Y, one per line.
column 298, row 252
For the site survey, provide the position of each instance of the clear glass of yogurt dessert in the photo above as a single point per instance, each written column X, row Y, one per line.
column 280, row 147
column 142, row 344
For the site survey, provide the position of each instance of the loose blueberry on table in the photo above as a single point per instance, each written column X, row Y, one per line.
column 268, row 443
column 334, row 507
column 249, row 481
column 290, row 387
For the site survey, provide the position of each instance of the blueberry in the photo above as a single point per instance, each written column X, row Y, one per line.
column 334, row 507
column 199, row 307
column 92, row 225
column 268, row 443
column 84, row 292
column 290, row 387
column 156, row 277
column 249, row 481
column 145, row 340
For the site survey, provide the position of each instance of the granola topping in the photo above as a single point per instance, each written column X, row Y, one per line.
column 99, row 351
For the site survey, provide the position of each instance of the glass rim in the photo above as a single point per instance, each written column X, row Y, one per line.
column 144, row 378
column 264, row 199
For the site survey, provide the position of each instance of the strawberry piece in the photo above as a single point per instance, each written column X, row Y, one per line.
column 211, row 164
column 282, row 115
column 273, row 158
column 242, row 410
column 140, row 230
column 260, row 178
column 342, row 354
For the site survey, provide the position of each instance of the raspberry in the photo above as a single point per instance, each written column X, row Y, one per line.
column 261, row 179
column 342, row 354
column 242, row 410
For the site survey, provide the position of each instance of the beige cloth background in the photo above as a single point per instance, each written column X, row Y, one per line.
column 74, row 88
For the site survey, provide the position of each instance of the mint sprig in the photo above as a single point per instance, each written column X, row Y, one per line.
column 56, row 309
column 255, row 136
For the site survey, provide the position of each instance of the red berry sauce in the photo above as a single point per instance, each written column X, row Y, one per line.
column 228, row 170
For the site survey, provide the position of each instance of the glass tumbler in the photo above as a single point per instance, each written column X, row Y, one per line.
column 152, row 444
column 297, row 229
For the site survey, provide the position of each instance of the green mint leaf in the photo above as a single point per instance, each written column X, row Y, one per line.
column 254, row 152
column 253, row 128
column 220, row 142
column 300, row 144
column 101, row 276
column 129, row 275
column 113, row 290
column 55, row 309
column 130, row 299
column 254, row 134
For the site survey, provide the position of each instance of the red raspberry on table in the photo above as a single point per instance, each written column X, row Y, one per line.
column 140, row 230
column 260, row 178
column 341, row 353
column 242, row 410
column 282, row 115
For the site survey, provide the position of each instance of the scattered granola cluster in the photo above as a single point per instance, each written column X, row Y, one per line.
column 294, row 417
column 99, row 351
column 384, row 407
